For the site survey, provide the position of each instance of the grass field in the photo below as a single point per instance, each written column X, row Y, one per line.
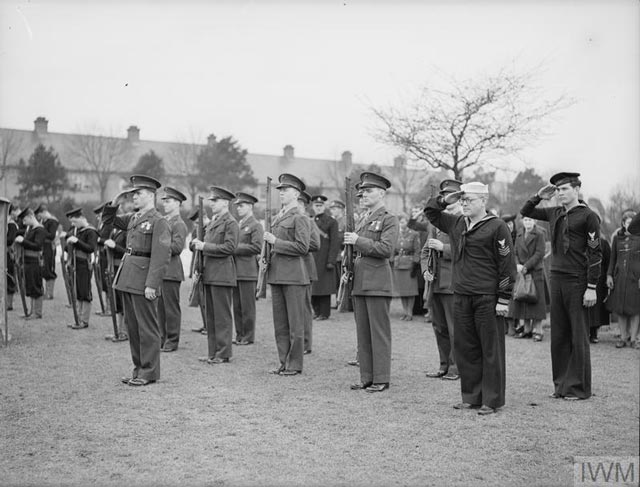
column 67, row 420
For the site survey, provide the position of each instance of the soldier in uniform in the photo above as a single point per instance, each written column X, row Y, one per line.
column 314, row 244
column 50, row 224
column 220, row 241
column 194, row 217
column 325, row 258
column 246, row 257
column 288, row 275
column 169, row 313
column 575, row 269
column 483, row 275
column 373, row 242
column 139, row 277
column 116, row 244
column 32, row 243
column 82, row 242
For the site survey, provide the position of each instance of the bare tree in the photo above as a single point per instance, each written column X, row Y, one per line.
column 10, row 147
column 104, row 155
column 469, row 122
column 407, row 178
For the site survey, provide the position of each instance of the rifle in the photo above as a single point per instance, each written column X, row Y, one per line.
column 343, row 297
column 20, row 279
column 196, row 296
column 97, row 273
column 111, row 293
column 265, row 253
column 69, row 284
column 432, row 265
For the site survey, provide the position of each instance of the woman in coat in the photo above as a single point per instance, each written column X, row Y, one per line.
column 623, row 278
column 406, row 265
column 529, row 249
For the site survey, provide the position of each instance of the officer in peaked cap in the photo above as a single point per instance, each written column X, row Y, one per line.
column 288, row 275
column 98, row 209
column 169, row 312
column 576, row 255
column 373, row 243
column 289, row 180
column 325, row 258
column 139, row 277
column 304, row 198
column 450, row 186
column 246, row 257
column 337, row 204
column 219, row 277
column 74, row 213
column 172, row 193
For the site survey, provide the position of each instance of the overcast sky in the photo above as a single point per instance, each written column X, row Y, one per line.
column 305, row 73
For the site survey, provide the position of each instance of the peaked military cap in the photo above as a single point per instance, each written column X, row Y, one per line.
column 319, row 198
column 564, row 178
column 450, row 186
column 359, row 191
column 98, row 209
column 337, row 204
column 304, row 197
column 246, row 198
column 75, row 213
column 218, row 193
column 140, row 181
column 291, row 181
column 475, row 187
column 41, row 207
column 24, row 213
column 372, row 180
column 173, row 193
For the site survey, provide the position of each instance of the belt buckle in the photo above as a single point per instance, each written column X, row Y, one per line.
column 128, row 251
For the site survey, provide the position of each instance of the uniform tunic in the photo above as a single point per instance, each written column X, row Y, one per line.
column 82, row 249
column 575, row 265
column 49, row 249
column 483, row 274
column 246, row 256
column 143, row 265
column 32, row 244
column 289, row 279
column 372, row 292
column 169, row 313
column 220, row 241
column 406, row 256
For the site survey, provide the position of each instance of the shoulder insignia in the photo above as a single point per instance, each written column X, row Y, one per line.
column 593, row 242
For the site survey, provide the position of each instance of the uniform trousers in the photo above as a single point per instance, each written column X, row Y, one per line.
column 308, row 320
column 33, row 277
column 219, row 320
column 83, row 280
column 570, row 353
column 141, row 318
column 169, row 314
column 479, row 349
column 48, row 261
column 244, row 310
column 442, row 312
column 288, row 303
column 373, row 330
column 321, row 305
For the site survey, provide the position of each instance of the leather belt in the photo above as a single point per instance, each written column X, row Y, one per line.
column 137, row 253
column 32, row 253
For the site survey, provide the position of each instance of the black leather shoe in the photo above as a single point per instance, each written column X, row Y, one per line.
column 278, row 370
column 167, row 349
column 485, row 410
column 360, row 385
column 378, row 387
column 306, row 352
column 353, row 362
column 436, row 375
column 140, row 382
column 125, row 380
column 466, row 405
column 450, row 376
column 290, row 372
column 198, row 330
column 218, row 360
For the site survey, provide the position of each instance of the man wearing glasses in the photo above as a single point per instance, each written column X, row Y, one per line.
column 483, row 276
column 575, row 268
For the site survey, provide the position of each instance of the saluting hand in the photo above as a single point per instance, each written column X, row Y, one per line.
column 547, row 192
column 269, row 237
column 150, row 293
column 350, row 238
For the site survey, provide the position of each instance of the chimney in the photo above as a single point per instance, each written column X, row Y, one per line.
column 347, row 160
column 211, row 140
column 288, row 152
column 41, row 126
column 133, row 134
